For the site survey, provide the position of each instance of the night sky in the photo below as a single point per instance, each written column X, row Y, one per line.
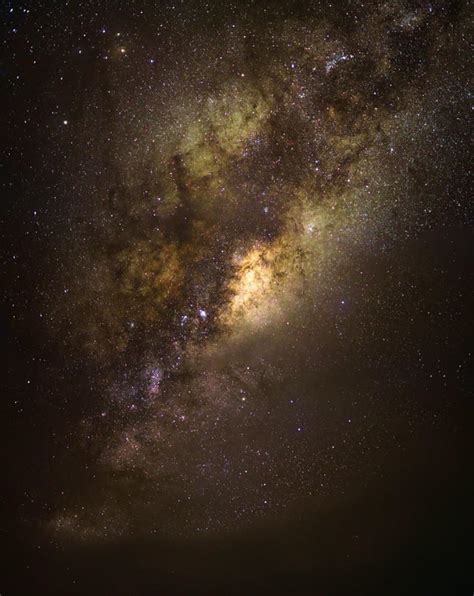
column 236, row 294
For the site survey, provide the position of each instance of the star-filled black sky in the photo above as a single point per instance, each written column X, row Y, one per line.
column 237, row 290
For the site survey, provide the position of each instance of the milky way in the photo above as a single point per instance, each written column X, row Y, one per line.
column 238, row 196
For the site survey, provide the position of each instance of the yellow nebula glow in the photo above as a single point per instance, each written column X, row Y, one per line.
column 252, row 288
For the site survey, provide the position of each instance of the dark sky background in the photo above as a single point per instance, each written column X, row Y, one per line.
column 236, row 298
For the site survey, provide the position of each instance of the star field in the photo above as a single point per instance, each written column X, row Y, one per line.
column 237, row 282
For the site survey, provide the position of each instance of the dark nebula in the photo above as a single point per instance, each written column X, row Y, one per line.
column 237, row 281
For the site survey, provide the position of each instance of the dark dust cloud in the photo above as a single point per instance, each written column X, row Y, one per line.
column 237, row 281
